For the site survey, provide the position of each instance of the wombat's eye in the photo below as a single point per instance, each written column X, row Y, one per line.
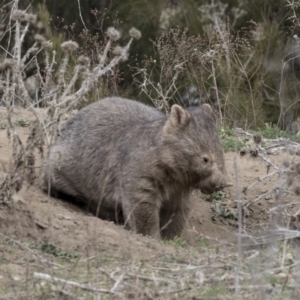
column 205, row 159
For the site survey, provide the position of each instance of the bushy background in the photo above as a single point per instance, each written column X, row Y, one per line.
column 240, row 56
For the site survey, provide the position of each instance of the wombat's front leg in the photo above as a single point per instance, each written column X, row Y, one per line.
column 142, row 218
column 172, row 223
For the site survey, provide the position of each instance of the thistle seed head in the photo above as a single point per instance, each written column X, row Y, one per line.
column 39, row 39
column 113, row 33
column 30, row 18
column 118, row 50
column 134, row 33
column 47, row 44
column 7, row 64
column 83, row 60
column 22, row 16
column 18, row 15
column 69, row 46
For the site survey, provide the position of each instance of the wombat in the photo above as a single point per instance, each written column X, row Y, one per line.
column 133, row 165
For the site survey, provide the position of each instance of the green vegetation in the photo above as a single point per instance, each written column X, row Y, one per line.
column 177, row 242
column 214, row 292
column 218, row 196
column 273, row 132
column 2, row 125
column 22, row 122
column 236, row 142
column 202, row 242
column 229, row 141
column 54, row 250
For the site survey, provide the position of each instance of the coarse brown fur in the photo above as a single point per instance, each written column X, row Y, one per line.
column 133, row 165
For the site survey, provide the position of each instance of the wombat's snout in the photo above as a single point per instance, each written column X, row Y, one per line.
column 213, row 188
column 213, row 184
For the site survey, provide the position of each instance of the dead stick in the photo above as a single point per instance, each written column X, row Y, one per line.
column 48, row 277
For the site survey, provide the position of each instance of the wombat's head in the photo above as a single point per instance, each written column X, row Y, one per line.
column 192, row 148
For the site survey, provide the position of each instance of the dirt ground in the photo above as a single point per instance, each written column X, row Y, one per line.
column 36, row 222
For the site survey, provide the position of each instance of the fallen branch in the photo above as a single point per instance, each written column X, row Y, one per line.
column 50, row 278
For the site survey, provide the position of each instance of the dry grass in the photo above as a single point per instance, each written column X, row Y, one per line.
column 188, row 273
column 246, row 82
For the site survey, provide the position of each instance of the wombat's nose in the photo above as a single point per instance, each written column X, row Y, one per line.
column 222, row 185
column 218, row 187
column 214, row 187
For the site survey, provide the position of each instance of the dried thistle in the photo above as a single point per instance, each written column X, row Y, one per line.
column 30, row 18
column 257, row 138
column 243, row 152
column 134, row 33
column 40, row 25
column 47, row 45
column 69, row 46
column 18, row 15
column 253, row 152
column 39, row 39
column 118, row 50
column 113, row 33
column 22, row 16
column 122, row 52
column 61, row 92
column 7, row 64
column 83, row 60
column 81, row 68
column 124, row 56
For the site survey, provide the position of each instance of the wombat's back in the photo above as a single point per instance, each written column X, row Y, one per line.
column 111, row 113
column 87, row 159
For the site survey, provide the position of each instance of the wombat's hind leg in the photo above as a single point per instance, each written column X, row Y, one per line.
column 142, row 219
column 58, row 185
column 44, row 181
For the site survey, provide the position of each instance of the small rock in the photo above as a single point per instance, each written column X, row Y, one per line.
column 40, row 225
column 63, row 217
column 282, row 275
column 16, row 278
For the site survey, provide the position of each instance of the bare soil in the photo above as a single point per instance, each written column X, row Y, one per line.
column 39, row 233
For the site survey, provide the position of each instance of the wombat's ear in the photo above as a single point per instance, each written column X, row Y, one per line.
column 178, row 118
column 208, row 110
